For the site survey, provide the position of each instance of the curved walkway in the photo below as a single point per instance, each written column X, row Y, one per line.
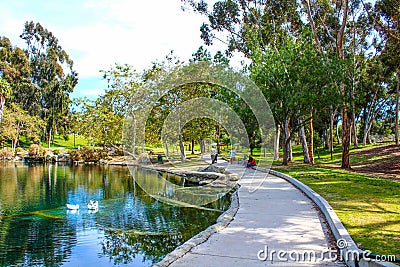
column 275, row 225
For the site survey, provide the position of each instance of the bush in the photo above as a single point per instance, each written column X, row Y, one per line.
column 76, row 155
column 36, row 150
column 88, row 154
column 6, row 153
column 57, row 151
column 20, row 150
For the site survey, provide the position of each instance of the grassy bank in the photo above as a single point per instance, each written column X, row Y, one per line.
column 368, row 206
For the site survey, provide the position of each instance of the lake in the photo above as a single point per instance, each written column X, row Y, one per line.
column 129, row 228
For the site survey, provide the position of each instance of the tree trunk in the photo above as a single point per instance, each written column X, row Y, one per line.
column 345, row 115
column 303, row 140
column 345, row 138
column 337, row 134
column 396, row 124
column 288, row 144
column 286, row 152
column 202, row 147
column 192, row 146
column 326, row 139
column 367, row 130
column 311, row 150
column 49, row 138
column 2, row 102
column 365, row 134
column 166, row 150
column 354, row 128
column 369, row 138
column 331, row 125
column 134, row 138
column 181, row 144
column 276, row 143
column 14, row 145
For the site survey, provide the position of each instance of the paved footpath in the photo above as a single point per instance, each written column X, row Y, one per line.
column 276, row 216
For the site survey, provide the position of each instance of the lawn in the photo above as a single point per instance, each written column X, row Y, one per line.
column 368, row 206
column 59, row 141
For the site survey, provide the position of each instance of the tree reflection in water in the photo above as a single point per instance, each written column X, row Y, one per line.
column 130, row 227
column 122, row 246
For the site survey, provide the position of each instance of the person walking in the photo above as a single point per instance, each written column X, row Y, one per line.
column 232, row 155
column 214, row 155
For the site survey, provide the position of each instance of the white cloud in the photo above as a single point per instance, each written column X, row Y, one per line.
column 99, row 33
column 134, row 32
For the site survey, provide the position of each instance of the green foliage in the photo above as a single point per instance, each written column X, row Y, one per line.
column 20, row 150
column 42, row 77
column 18, row 122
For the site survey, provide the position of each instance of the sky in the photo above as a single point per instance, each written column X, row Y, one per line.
column 99, row 33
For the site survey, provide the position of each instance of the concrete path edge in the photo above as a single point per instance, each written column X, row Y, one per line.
column 223, row 221
column 350, row 249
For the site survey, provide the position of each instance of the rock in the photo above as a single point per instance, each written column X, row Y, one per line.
column 50, row 157
column 205, row 182
column 233, row 177
column 205, row 175
column 218, row 185
column 63, row 157
column 213, row 168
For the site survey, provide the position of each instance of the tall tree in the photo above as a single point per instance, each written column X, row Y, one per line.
column 5, row 90
column 254, row 26
column 385, row 16
column 52, row 75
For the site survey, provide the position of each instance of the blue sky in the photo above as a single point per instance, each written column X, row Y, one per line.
column 98, row 33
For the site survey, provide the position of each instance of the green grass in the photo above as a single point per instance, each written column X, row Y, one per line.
column 369, row 207
column 59, row 141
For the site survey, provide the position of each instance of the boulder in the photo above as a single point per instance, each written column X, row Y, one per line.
column 63, row 157
column 213, row 168
column 233, row 177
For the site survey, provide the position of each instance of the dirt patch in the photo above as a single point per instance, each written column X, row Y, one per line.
column 386, row 166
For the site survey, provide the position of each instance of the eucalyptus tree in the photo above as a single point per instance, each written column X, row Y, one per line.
column 52, row 76
column 102, row 119
column 377, row 86
column 14, row 75
column 5, row 90
column 260, row 24
column 294, row 80
column 385, row 16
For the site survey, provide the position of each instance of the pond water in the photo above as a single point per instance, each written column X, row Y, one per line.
column 129, row 228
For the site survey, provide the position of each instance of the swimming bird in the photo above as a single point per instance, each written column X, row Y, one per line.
column 72, row 206
column 93, row 205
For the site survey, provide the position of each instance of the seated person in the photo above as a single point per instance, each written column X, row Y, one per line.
column 251, row 163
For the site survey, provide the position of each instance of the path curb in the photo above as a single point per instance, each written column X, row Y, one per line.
column 223, row 221
column 350, row 249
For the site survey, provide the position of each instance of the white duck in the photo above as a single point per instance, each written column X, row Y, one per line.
column 72, row 206
column 93, row 205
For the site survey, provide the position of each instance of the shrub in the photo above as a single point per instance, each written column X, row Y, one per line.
column 88, row 154
column 36, row 150
column 20, row 150
column 6, row 153
column 76, row 155
column 57, row 151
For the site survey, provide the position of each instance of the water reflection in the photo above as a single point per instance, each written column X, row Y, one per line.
column 130, row 227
